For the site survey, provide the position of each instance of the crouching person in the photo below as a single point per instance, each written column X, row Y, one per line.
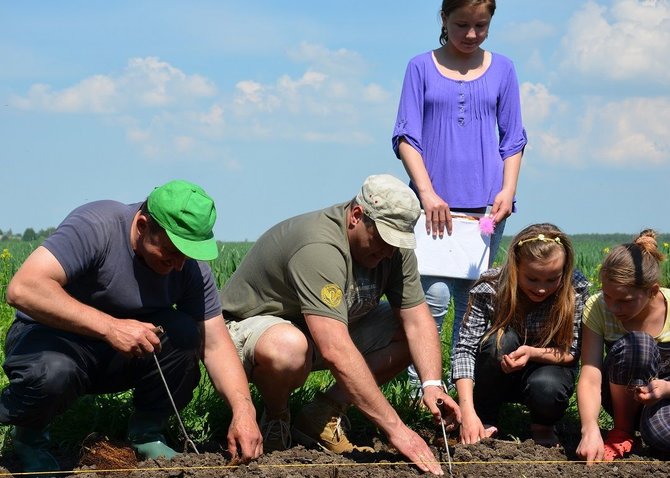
column 519, row 341
column 628, row 322
column 91, row 301
column 307, row 297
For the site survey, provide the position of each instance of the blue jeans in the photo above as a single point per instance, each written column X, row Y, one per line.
column 439, row 292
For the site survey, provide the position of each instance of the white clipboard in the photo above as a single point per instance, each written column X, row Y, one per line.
column 464, row 254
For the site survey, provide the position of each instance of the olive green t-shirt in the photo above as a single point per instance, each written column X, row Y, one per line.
column 303, row 266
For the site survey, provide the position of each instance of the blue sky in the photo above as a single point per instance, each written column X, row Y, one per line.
column 278, row 108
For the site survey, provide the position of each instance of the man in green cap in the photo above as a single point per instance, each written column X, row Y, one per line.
column 307, row 297
column 91, row 303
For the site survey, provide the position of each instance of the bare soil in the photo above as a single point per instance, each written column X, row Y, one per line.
column 491, row 457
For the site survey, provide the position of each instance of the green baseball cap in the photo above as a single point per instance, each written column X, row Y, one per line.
column 187, row 213
column 394, row 208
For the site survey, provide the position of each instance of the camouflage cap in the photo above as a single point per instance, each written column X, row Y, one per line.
column 394, row 208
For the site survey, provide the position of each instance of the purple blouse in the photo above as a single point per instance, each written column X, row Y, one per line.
column 452, row 124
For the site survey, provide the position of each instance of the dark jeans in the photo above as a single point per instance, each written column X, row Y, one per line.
column 545, row 389
column 49, row 369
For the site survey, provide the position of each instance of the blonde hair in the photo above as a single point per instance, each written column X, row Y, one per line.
column 535, row 242
column 636, row 264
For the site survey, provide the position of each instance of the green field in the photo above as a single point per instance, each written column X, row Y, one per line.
column 207, row 417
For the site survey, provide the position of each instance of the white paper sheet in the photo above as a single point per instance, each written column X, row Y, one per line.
column 464, row 254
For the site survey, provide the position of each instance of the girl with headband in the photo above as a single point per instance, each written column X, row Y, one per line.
column 519, row 341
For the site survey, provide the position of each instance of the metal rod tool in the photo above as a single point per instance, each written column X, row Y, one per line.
column 188, row 441
column 440, row 403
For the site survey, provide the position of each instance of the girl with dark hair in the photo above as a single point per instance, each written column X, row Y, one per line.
column 460, row 137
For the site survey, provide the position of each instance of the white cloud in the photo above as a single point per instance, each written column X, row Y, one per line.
column 96, row 94
column 628, row 133
column 147, row 82
column 255, row 94
column 170, row 114
column 330, row 93
column 311, row 79
column 547, row 145
column 637, row 130
column 341, row 62
column 213, row 117
column 625, row 42
column 156, row 83
column 159, row 105
column 184, row 144
column 137, row 135
column 537, row 103
column 375, row 93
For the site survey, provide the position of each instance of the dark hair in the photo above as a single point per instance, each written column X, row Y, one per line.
column 636, row 264
column 368, row 221
column 154, row 227
column 448, row 6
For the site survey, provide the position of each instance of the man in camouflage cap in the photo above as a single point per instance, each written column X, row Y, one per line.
column 307, row 297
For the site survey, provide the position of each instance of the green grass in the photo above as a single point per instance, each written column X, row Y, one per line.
column 207, row 416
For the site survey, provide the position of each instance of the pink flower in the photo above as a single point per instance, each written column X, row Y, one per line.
column 486, row 225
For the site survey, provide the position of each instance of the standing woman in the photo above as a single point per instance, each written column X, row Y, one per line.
column 460, row 137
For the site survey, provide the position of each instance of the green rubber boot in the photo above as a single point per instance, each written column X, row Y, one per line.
column 145, row 433
column 32, row 448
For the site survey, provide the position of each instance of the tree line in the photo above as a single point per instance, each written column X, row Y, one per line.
column 29, row 235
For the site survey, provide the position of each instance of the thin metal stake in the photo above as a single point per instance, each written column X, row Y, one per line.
column 444, row 435
column 181, row 424
column 160, row 331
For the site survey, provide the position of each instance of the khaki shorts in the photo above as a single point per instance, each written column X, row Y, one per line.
column 372, row 332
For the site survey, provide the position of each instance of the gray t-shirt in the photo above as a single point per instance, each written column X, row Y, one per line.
column 92, row 244
column 303, row 266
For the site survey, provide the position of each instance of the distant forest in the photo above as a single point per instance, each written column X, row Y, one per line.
column 29, row 235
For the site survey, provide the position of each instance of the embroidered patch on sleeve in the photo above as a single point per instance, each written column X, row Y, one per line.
column 331, row 295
